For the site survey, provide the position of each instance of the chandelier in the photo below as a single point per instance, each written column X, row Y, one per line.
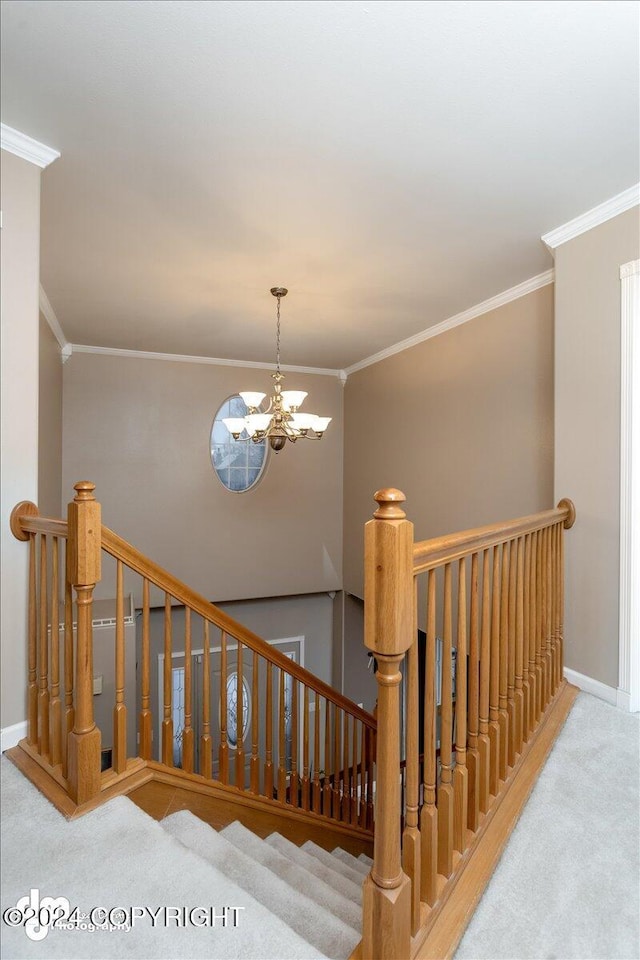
column 281, row 420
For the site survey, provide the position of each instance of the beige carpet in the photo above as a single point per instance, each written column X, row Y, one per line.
column 568, row 883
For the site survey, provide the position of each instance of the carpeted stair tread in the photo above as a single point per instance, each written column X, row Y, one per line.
column 296, row 876
column 351, row 861
column 304, row 915
column 135, row 863
column 330, row 861
column 365, row 859
column 338, row 881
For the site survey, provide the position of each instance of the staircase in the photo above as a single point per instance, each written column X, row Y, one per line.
column 318, row 895
column 464, row 720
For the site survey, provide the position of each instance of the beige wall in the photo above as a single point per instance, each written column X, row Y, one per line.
column 20, row 264
column 140, row 430
column 461, row 423
column 587, row 436
column 49, row 424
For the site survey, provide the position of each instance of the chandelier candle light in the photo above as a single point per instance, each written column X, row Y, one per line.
column 281, row 421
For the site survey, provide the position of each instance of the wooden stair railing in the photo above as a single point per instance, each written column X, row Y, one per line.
column 494, row 596
column 304, row 746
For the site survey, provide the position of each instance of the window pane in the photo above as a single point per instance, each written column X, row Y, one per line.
column 238, row 464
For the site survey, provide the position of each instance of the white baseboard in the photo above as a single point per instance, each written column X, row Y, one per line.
column 594, row 687
column 10, row 736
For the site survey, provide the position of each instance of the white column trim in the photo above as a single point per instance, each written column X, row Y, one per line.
column 629, row 639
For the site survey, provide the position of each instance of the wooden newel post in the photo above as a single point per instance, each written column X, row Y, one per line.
column 83, row 570
column 388, row 627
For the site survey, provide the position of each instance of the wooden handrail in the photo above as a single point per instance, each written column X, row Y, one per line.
column 428, row 554
column 31, row 524
column 161, row 578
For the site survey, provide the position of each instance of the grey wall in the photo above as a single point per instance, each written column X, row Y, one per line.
column 140, row 430
column 461, row 423
column 50, row 425
column 587, row 436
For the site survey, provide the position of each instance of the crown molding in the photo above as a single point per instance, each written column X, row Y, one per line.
column 215, row 361
column 593, row 218
column 514, row 293
column 50, row 316
column 25, row 147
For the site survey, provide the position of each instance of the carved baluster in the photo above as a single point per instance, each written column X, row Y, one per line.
column 223, row 750
column 84, row 547
column 206, row 741
column 317, row 804
column 539, row 626
column 326, row 786
column 429, row 812
column 344, row 774
column 240, row 731
column 337, row 793
column 294, row 778
column 282, row 756
column 411, row 858
column 484, row 747
column 32, row 690
column 544, row 595
column 445, row 790
column 503, row 702
column 566, row 525
column 554, row 607
column 187, row 731
column 305, row 795
column 43, row 659
column 526, row 679
column 120, row 709
column 473, row 757
column 362, row 800
column 254, row 771
column 354, row 772
column 511, row 694
column 167, row 722
column 460, row 773
column 268, row 757
column 534, row 690
column 549, row 622
column 55, row 707
column 494, row 680
column 519, row 696
column 145, row 685
column 370, row 752
column 69, row 711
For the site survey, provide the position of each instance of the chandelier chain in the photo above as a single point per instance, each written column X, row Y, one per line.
column 278, row 337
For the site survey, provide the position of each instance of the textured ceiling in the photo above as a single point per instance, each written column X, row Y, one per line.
column 391, row 163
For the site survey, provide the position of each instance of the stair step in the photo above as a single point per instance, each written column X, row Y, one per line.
column 338, row 881
column 365, row 859
column 297, row 877
column 330, row 861
column 304, row 915
column 350, row 861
